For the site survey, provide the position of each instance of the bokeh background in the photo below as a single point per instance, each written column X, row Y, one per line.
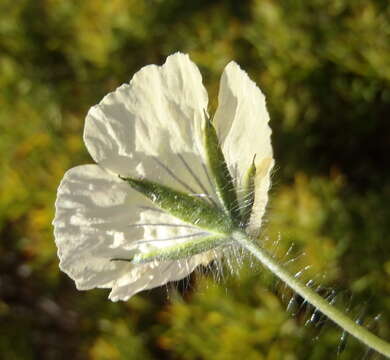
column 324, row 66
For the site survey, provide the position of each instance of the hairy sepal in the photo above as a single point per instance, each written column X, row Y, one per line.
column 182, row 250
column 248, row 194
column 220, row 172
column 185, row 207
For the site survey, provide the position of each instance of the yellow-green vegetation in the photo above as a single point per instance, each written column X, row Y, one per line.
column 325, row 68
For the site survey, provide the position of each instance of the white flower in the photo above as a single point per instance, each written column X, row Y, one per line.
column 154, row 128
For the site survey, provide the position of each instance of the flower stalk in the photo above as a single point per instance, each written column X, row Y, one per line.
column 338, row 317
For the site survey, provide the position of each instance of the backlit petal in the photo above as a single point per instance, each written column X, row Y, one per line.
column 241, row 121
column 155, row 274
column 99, row 217
column 152, row 127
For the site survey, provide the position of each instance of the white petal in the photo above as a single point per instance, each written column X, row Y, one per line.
column 152, row 127
column 155, row 274
column 241, row 122
column 98, row 218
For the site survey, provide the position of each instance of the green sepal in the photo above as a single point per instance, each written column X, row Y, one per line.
column 248, row 194
column 187, row 208
column 180, row 251
column 221, row 174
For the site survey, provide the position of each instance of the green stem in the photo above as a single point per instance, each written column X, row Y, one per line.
column 312, row 297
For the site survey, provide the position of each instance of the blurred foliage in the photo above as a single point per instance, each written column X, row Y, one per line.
column 325, row 67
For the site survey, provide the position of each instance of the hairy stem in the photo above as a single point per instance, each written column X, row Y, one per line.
column 312, row 297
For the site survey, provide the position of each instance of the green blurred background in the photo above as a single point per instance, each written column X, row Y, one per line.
column 325, row 68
